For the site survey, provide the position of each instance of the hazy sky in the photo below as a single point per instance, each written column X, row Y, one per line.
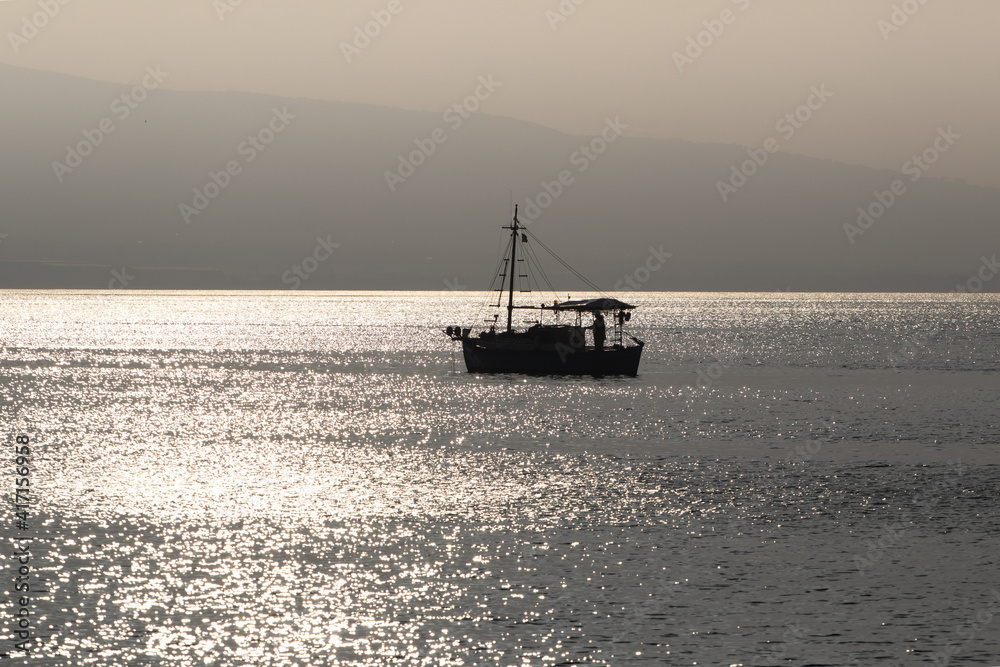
column 891, row 88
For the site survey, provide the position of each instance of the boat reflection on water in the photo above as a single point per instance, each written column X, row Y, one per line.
column 550, row 348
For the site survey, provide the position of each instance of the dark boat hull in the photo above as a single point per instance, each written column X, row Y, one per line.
column 616, row 360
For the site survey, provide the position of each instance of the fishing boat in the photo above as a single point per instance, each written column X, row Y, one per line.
column 556, row 347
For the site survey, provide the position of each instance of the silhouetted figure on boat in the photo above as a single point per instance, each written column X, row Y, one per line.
column 600, row 333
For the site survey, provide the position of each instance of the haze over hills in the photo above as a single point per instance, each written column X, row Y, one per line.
column 324, row 177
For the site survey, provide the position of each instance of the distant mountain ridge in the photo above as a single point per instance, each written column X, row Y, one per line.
column 235, row 190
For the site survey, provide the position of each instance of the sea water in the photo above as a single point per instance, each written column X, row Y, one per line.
column 265, row 478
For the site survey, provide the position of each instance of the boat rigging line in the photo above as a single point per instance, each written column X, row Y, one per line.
column 563, row 262
column 534, row 270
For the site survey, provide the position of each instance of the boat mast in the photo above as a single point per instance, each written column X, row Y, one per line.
column 513, row 257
